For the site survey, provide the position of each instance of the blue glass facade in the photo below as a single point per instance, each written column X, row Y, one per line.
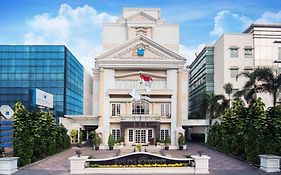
column 51, row 68
column 201, row 80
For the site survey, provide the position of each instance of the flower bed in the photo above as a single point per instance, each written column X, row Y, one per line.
column 141, row 165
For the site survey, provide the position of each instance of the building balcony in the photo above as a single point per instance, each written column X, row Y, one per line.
column 196, row 122
column 138, row 118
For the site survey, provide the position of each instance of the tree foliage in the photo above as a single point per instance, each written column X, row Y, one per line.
column 212, row 105
column 248, row 131
column 36, row 135
column 228, row 88
column 260, row 80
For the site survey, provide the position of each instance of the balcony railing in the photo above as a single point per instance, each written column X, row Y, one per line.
column 138, row 117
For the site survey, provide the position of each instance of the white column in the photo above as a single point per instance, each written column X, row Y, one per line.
column 78, row 139
column 172, row 85
column 109, row 83
column 96, row 91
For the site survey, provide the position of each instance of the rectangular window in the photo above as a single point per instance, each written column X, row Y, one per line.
column 164, row 133
column 248, row 69
column 131, row 135
column 233, row 73
column 234, row 52
column 116, row 133
column 149, row 134
column 115, row 109
column 165, row 109
column 248, row 52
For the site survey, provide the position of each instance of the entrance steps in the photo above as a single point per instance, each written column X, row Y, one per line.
column 150, row 148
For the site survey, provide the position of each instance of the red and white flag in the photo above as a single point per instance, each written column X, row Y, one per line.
column 147, row 81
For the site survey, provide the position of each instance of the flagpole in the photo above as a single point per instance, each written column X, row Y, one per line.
column 140, row 124
column 146, row 135
column 134, row 115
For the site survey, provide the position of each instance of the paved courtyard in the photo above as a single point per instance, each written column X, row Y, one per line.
column 220, row 164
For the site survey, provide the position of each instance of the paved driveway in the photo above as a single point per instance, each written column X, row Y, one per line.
column 220, row 164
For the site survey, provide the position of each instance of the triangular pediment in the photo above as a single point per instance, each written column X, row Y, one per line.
column 140, row 17
column 127, row 53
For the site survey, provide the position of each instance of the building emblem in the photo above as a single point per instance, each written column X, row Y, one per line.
column 140, row 51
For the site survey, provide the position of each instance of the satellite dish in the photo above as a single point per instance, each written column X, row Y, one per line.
column 6, row 111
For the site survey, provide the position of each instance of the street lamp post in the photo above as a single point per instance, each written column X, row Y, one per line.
column 277, row 62
column 277, row 72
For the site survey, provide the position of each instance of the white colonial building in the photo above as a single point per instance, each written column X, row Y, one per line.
column 140, row 41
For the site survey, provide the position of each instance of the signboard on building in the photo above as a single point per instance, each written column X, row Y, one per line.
column 6, row 129
column 6, row 111
column 42, row 98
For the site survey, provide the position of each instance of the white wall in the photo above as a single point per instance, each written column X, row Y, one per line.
column 113, row 35
column 87, row 94
column 167, row 35
column 223, row 62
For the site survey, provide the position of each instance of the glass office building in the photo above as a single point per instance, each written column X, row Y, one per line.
column 51, row 68
column 201, row 80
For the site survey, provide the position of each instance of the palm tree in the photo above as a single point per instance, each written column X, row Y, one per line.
column 270, row 81
column 250, row 89
column 263, row 80
column 228, row 88
column 212, row 104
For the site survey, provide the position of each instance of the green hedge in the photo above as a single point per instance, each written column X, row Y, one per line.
column 36, row 135
column 248, row 131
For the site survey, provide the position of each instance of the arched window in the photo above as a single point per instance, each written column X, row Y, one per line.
column 140, row 107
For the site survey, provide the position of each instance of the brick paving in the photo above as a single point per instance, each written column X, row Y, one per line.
column 59, row 163
column 220, row 164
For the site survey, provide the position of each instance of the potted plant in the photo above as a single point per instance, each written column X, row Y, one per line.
column 157, row 142
column 139, row 147
column 110, row 142
column 97, row 141
column 167, row 142
column 122, row 140
column 181, row 141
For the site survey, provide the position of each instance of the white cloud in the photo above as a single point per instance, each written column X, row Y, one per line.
column 189, row 52
column 270, row 17
column 226, row 21
column 80, row 29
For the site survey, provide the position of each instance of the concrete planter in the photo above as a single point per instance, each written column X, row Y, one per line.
column 77, row 164
column 8, row 165
column 201, row 164
column 270, row 163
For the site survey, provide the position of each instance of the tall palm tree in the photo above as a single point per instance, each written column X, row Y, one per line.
column 263, row 80
column 212, row 104
column 228, row 88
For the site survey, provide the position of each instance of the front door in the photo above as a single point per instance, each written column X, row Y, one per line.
column 140, row 136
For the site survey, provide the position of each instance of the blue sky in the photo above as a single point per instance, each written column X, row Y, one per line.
column 78, row 23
